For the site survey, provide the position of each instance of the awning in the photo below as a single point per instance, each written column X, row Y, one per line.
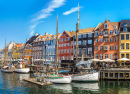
column 108, row 60
column 123, row 59
column 94, row 59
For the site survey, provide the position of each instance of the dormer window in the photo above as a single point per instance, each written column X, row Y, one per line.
column 124, row 29
column 47, row 37
column 125, row 24
column 52, row 36
column 105, row 25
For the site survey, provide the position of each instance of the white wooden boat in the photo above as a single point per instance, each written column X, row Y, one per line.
column 59, row 79
column 7, row 69
column 87, row 77
column 22, row 70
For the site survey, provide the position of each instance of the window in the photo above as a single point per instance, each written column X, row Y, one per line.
column 101, row 47
column 79, row 36
column 127, row 36
column 101, row 39
column 96, row 40
column 127, row 56
column 111, row 47
column 65, row 39
column 105, row 47
column 62, row 39
column 116, row 47
column 116, row 39
column 59, row 45
column 62, row 45
column 90, row 35
column 105, row 25
column 96, row 47
column 122, row 36
column 111, row 39
column 68, row 50
column 84, row 35
column 62, row 51
column 106, row 39
column 68, row 39
column 84, row 42
column 111, row 56
column 106, row 56
column 124, row 29
column 96, row 33
column 71, row 50
column 68, row 44
column 101, row 56
column 59, row 51
column 127, row 45
column 111, row 31
column 116, row 32
column 79, row 42
column 96, row 56
column 89, row 41
column 79, row 51
column 106, row 33
column 122, row 46
column 71, row 43
column 65, row 50
column 68, row 57
column 85, row 51
column 125, row 24
column 65, row 44
column 101, row 32
column 122, row 55
column 89, row 50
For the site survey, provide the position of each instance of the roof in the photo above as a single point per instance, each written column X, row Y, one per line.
column 19, row 45
column 112, row 23
column 86, row 30
column 71, row 34
column 125, row 21
column 32, row 39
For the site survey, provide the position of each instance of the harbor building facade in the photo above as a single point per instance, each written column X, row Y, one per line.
column 106, row 40
column 66, row 45
column 85, row 44
column 124, row 39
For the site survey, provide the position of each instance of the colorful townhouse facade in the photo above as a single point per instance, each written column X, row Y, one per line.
column 85, row 44
column 106, row 40
column 66, row 45
column 124, row 39
column 28, row 48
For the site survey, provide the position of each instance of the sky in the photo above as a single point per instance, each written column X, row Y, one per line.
column 21, row 19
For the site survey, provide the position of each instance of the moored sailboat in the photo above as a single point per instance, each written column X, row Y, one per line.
column 83, row 77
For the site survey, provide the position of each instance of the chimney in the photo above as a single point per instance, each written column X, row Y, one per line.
column 46, row 33
column 36, row 34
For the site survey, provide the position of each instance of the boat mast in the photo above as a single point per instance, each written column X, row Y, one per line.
column 5, row 53
column 57, row 44
column 77, row 30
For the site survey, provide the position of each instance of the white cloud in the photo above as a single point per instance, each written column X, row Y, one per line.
column 31, row 33
column 71, row 11
column 32, row 28
column 44, row 13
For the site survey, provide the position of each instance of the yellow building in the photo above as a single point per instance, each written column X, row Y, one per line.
column 16, row 52
column 28, row 52
column 124, row 39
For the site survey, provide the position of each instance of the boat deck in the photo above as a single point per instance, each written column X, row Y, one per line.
column 33, row 80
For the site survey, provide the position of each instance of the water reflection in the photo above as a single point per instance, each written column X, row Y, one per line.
column 13, row 84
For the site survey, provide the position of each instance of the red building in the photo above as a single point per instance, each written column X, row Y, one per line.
column 66, row 45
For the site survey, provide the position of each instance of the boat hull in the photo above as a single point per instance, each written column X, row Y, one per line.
column 64, row 80
column 90, row 77
column 22, row 70
column 7, row 71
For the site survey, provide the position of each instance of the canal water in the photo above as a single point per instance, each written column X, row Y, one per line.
column 12, row 83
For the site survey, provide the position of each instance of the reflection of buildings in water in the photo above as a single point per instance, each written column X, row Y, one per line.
column 65, row 88
column 22, row 76
column 87, row 86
